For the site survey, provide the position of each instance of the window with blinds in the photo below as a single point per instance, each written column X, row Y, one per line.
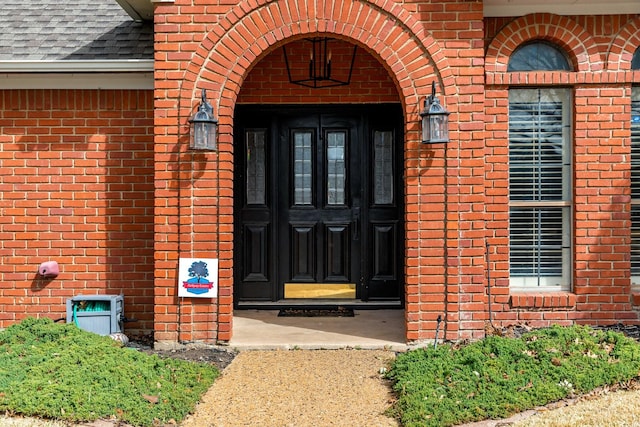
column 540, row 188
column 635, row 186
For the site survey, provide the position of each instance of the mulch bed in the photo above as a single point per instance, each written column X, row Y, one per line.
column 631, row 331
column 218, row 356
column 221, row 357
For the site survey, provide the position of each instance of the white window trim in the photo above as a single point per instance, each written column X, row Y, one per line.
column 555, row 283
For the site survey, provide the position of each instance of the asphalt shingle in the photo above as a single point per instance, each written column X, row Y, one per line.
column 37, row 30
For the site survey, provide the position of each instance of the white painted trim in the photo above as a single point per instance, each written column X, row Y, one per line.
column 524, row 284
column 74, row 66
column 77, row 81
column 495, row 8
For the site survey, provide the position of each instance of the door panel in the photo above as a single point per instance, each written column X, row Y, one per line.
column 317, row 199
column 302, row 253
column 338, row 250
column 255, row 246
column 254, row 236
column 384, row 220
column 384, row 235
column 320, row 190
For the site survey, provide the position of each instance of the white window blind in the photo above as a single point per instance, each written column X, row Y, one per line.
column 540, row 188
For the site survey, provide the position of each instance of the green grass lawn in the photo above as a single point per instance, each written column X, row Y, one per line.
column 498, row 377
column 58, row 371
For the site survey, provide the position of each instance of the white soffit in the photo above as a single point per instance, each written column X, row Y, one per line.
column 78, row 66
column 108, row 74
column 560, row 7
column 139, row 10
column 105, row 81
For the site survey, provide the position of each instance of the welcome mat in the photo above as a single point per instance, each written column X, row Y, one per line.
column 322, row 312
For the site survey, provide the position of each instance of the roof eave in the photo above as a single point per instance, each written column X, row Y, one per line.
column 497, row 8
column 139, row 10
column 77, row 66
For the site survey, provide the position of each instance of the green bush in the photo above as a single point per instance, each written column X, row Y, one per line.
column 59, row 371
column 497, row 377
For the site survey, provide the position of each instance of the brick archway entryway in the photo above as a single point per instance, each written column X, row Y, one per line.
column 222, row 63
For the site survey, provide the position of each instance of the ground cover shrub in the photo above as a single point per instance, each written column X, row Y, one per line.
column 497, row 377
column 59, row 371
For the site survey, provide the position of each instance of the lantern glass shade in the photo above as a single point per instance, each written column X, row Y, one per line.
column 204, row 127
column 203, row 135
column 435, row 128
column 435, row 121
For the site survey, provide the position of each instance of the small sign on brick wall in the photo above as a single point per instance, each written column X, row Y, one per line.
column 198, row 277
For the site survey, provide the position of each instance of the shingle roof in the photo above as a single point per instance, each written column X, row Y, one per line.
column 55, row 30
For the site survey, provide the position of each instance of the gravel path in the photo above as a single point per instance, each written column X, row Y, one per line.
column 299, row 388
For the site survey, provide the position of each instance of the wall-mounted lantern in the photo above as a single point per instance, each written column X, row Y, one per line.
column 204, row 127
column 435, row 120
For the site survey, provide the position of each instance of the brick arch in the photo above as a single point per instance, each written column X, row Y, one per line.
column 384, row 28
column 623, row 46
column 560, row 30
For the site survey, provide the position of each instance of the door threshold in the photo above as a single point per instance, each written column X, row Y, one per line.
column 318, row 304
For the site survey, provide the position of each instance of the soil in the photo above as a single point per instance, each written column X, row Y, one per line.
column 222, row 357
column 219, row 356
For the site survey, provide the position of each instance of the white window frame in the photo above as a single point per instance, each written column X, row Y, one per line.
column 563, row 202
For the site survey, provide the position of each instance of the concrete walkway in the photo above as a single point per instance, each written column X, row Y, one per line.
column 368, row 329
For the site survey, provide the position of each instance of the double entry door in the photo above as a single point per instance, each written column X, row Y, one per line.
column 318, row 202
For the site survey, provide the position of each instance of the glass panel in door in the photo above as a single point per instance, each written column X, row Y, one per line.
column 302, row 168
column 383, row 168
column 336, row 168
column 256, row 167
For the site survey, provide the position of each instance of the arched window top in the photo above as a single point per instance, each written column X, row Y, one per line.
column 635, row 62
column 538, row 56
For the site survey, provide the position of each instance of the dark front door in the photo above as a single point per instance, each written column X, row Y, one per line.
column 318, row 196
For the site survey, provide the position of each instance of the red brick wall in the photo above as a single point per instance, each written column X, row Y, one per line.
column 233, row 53
column 456, row 198
column 76, row 187
column 268, row 81
column 83, row 182
column 600, row 49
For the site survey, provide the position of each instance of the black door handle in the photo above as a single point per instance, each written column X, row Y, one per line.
column 356, row 223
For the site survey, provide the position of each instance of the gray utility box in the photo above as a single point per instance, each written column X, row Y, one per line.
column 100, row 314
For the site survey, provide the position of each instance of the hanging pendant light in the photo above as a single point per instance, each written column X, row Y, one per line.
column 320, row 65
